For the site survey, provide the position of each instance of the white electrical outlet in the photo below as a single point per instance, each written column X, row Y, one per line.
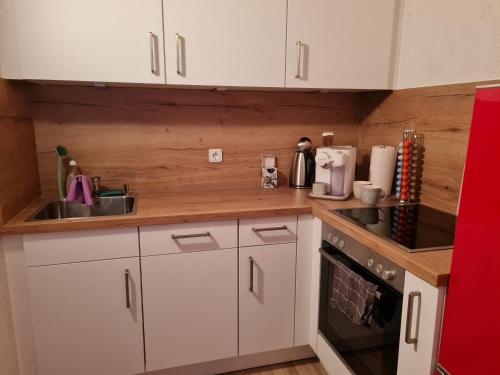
column 215, row 155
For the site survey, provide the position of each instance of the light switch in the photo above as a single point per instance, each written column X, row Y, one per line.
column 215, row 155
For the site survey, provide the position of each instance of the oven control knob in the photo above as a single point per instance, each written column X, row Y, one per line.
column 371, row 262
column 335, row 239
column 379, row 268
column 341, row 244
column 329, row 236
column 389, row 275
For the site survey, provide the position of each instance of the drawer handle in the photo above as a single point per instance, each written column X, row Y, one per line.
column 269, row 229
column 409, row 317
column 194, row 235
column 127, row 289
column 250, row 288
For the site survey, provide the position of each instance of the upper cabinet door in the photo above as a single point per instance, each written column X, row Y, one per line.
column 340, row 44
column 225, row 42
column 93, row 40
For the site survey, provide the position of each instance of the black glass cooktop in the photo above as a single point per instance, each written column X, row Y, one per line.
column 413, row 227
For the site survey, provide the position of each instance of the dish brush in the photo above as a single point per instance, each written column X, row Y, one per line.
column 61, row 153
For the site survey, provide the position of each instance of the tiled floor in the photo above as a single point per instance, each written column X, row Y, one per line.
column 305, row 367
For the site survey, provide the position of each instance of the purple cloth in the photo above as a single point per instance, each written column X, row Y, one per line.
column 80, row 191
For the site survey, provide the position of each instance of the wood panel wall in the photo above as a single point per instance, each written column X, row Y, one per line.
column 19, row 185
column 19, row 180
column 158, row 139
column 443, row 114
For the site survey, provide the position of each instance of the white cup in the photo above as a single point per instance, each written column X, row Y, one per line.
column 319, row 188
column 370, row 194
column 357, row 186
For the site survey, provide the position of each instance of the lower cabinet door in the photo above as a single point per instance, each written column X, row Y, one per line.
column 87, row 317
column 420, row 327
column 190, row 307
column 267, row 296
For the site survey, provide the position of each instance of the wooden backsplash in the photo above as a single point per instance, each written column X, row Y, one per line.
column 158, row 139
column 443, row 114
column 19, row 182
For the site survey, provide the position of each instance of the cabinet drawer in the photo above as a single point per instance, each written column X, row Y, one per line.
column 178, row 238
column 268, row 231
column 69, row 247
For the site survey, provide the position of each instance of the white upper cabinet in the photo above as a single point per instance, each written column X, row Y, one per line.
column 225, row 42
column 93, row 40
column 315, row 44
column 340, row 44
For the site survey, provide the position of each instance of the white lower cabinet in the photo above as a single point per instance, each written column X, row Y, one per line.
column 190, row 307
column 421, row 327
column 197, row 306
column 266, row 297
column 87, row 317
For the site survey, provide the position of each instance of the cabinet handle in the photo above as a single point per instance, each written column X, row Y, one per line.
column 194, row 235
column 269, row 229
column 178, row 47
column 153, row 50
column 127, row 289
column 250, row 288
column 409, row 317
column 299, row 60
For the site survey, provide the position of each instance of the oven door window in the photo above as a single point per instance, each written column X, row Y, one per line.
column 369, row 349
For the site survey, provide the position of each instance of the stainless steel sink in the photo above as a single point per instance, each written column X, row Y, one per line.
column 105, row 206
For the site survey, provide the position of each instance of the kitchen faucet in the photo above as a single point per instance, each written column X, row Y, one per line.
column 96, row 188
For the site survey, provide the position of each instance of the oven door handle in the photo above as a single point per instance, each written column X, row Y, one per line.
column 327, row 256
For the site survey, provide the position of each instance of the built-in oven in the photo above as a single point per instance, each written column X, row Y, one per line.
column 368, row 346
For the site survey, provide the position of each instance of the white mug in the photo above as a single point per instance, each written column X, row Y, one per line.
column 357, row 186
column 370, row 194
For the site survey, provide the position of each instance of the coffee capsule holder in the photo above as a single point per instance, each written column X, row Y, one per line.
column 408, row 187
column 409, row 167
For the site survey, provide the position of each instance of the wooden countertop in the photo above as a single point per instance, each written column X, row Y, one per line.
column 174, row 208
column 171, row 208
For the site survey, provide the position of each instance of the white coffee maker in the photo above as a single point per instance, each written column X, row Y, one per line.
column 336, row 166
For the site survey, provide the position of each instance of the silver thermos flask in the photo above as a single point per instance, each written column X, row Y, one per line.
column 303, row 165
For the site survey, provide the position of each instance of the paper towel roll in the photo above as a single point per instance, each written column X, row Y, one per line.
column 382, row 163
